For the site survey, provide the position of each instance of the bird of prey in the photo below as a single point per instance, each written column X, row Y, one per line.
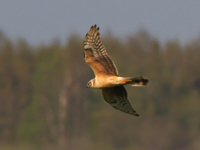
column 106, row 73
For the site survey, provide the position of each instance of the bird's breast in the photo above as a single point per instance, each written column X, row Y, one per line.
column 106, row 81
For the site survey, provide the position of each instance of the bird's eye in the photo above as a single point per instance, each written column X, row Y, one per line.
column 88, row 84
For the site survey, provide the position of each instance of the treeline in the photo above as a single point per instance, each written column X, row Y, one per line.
column 44, row 102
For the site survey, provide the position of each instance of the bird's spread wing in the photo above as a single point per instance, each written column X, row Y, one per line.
column 117, row 98
column 95, row 54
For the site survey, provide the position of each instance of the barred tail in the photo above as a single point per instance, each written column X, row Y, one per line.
column 137, row 81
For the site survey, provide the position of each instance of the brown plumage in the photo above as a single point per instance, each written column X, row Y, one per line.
column 106, row 73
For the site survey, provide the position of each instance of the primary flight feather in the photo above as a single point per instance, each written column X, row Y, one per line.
column 106, row 73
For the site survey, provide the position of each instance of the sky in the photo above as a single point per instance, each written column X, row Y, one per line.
column 43, row 20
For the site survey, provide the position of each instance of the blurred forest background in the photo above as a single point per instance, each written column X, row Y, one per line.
column 44, row 102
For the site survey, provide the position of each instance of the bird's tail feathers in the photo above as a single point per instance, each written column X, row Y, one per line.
column 137, row 81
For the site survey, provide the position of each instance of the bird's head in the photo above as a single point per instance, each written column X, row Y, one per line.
column 90, row 84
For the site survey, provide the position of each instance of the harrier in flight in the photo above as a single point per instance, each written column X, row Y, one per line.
column 106, row 75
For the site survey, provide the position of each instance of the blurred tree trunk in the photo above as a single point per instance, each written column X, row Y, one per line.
column 62, row 112
column 77, row 105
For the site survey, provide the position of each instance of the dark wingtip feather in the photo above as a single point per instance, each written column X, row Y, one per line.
column 137, row 115
column 95, row 26
column 134, row 114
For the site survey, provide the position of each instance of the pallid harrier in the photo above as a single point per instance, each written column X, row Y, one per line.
column 106, row 74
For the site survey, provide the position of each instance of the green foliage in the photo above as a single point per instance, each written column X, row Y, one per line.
column 30, row 129
column 44, row 102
